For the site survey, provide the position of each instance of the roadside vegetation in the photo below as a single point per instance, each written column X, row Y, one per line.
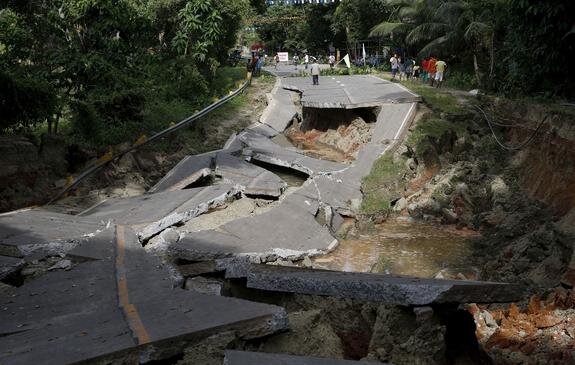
column 104, row 72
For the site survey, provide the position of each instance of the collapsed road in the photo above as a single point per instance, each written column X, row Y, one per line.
column 115, row 289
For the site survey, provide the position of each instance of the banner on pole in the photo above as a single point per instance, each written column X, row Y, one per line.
column 283, row 56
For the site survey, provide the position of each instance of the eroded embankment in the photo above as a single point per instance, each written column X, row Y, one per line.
column 451, row 171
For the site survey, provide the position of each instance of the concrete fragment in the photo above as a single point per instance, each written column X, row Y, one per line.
column 24, row 232
column 61, row 265
column 376, row 287
column 204, row 285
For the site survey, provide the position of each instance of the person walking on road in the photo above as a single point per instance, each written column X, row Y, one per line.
column 315, row 72
column 295, row 60
column 394, row 66
column 306, row 61
column 277, row 59
column 440, row 67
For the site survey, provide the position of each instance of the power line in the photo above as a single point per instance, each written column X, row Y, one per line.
column 510, row 148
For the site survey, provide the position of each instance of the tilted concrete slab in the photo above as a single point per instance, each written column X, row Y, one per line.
column 25, row 232
column 119, row 308
column 288, row 231
column 152, row 213
column 189, row 170
column 261, row 148
column 349, row 92
column 380, row 288
column 260, row 358
column 281, row 109
column 251, row 179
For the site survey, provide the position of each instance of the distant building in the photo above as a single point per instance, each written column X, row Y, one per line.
column 296, row 2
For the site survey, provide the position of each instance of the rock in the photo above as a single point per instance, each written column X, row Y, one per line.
column 61, row 265
column 474, row 92
column 400, row 205
column 423, row 314
column 307, row 262
column 489, row 320
column 426, row 206
column 209, row 351
column 499, row 190
column 411, row 164
column 204, row 285
column 310, row 334
column 449, row 215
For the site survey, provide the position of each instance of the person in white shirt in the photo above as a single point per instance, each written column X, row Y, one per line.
column 394, row 66
column 306, row 60
column 315, row 72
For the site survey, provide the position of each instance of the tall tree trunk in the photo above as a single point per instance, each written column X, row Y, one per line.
column 476, row 68
column 492, row 56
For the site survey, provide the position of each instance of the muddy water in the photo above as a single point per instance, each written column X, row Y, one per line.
column 404, row 247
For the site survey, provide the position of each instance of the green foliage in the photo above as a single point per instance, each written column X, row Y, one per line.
column 107, row 68
column 431, row 127
column 381, row 185
column 24, row 102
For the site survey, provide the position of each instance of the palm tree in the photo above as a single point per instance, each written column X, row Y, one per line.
column 445, row 26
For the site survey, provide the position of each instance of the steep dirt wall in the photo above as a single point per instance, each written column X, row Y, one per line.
column 547, row 164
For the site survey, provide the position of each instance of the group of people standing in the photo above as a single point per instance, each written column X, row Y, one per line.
column 431, row 69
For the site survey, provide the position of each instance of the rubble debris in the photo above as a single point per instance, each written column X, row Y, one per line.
column 539, row 331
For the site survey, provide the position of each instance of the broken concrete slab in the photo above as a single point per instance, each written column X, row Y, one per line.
column 24, row 232
column 188, row 171
column 292, row 234
column 260, row 358
column 381, row 288
column 348, row 92
column 281, row 110
column 261, row 148
column 103, row 309
column 153, row 213
column 254, row 179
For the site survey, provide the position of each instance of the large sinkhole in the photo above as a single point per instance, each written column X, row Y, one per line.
column 333, row 133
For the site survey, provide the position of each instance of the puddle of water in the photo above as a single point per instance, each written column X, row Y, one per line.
column 401, row 247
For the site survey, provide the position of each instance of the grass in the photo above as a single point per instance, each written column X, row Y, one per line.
column 432, row 127
column 382, row 184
